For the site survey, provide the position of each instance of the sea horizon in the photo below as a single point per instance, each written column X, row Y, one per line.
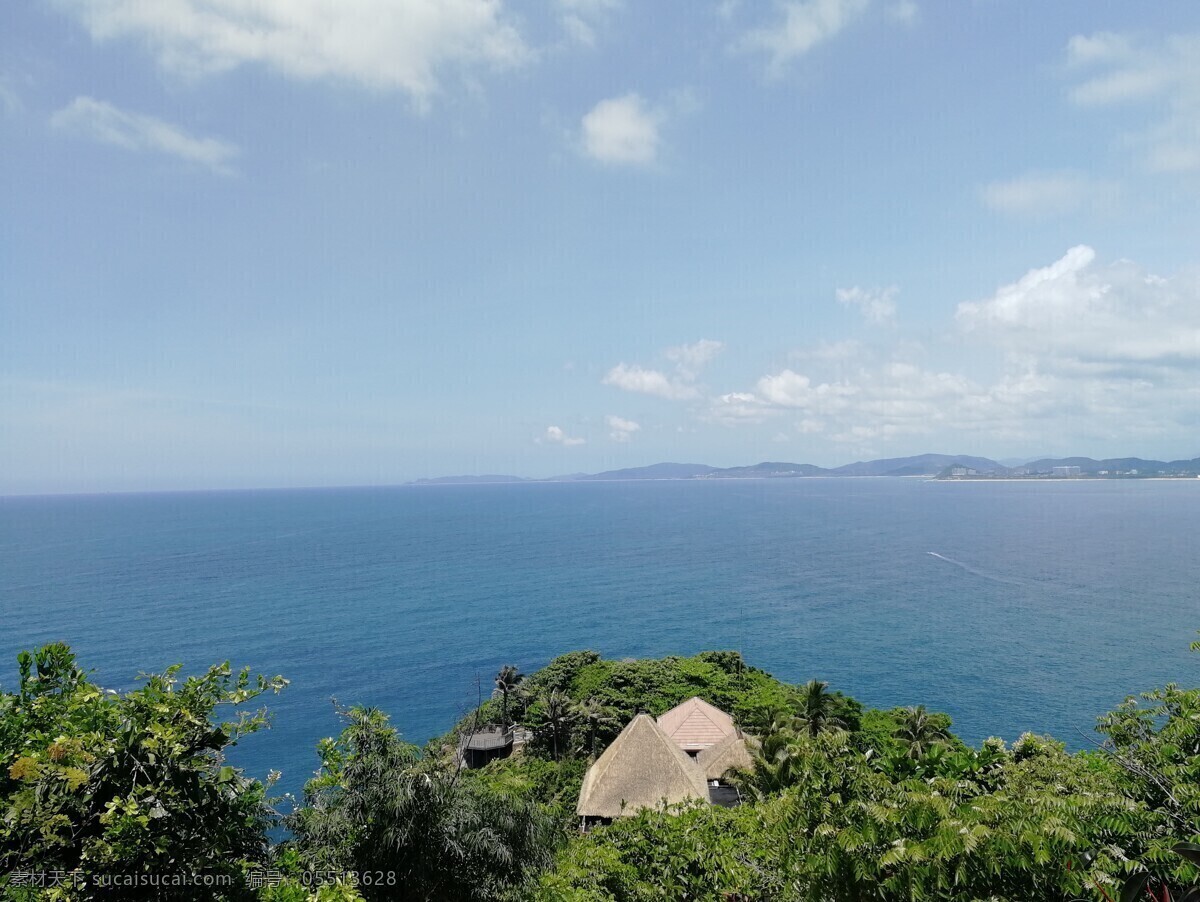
column 402, row 599
column 493, row 478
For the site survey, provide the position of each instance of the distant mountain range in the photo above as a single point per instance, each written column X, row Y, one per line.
column 927, row 465
column 1117, row 464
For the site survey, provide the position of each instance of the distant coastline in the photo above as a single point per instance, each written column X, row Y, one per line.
column 948, row 467
column 1086, row 478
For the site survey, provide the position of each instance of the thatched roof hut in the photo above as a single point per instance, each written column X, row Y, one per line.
column 642, row 768
column 717, row 760
column 695, row 724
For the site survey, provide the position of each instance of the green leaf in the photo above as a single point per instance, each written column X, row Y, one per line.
column 1134, row 887
column 1189, row 850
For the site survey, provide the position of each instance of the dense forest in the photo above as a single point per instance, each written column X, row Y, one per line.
column 106, row 795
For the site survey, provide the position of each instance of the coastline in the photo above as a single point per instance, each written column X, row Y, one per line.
column 1192, row 479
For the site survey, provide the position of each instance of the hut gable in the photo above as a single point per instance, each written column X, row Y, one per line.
column 643, row 768
column 695, row 725
column 717, row 760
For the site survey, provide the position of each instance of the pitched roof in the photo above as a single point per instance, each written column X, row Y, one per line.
column 730, row 752
column 643, row 768
column 695, row 724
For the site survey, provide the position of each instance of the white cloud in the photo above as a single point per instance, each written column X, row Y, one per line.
column 622, row 131
column 1049, row 194
column 621, row 430
column 1128, row 72
column 634, row 378
column 555, row 435
column 791, row 389
column 735, row 408
column 1048, row 293
column 690, row 359
column 804, row 25
column 1162, row 74
column 877, row 306
column 590, row 7
column 381, row 44
column 893, row 398
column 1079, row 316
column 103, row 122
column 1070, row 353
column 579, row 29
column 580, row 18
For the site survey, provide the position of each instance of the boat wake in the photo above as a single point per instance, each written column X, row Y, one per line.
column 982, row 574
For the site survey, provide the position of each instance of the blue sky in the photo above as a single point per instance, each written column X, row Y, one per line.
column 319, row 242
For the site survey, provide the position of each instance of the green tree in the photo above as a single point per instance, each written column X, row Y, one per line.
column 818, row 709
column 774, row 765
column 703, row 852
column 1056, row 830
column 376, row 806
column 555, row 716
column 1154, row 741
column 598, row 719
column 919, row 731
column 131, row 784
column 507, row 681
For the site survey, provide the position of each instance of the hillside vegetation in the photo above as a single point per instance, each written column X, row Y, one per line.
column 128, row 796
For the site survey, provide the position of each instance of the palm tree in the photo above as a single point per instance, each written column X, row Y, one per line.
column 522, row 697
column 506, row 681
column 776, row 763
column 818, row 709
column 376, row 804
column 919, row 731
column 598, row 717
column 557, row 714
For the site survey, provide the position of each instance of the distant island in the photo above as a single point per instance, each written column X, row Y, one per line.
column 928, row 466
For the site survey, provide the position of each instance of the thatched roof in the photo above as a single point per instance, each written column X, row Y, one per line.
column 643, row 768
column 695, row 724
column 730, row 752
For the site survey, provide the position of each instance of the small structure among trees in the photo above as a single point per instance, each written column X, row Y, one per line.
column 695, row 725
column 486, row 745
column 682, row 756
column 730, row 754
column 643, row 768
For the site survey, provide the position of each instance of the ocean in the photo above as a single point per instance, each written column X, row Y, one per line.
column 1012, row 606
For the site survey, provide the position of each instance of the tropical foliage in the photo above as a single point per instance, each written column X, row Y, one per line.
column 507, row 681
column 843, row 831
column 378, row 808
column 134, row 784
column 842, row 804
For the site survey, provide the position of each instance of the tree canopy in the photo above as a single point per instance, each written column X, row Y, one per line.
column 841, row 804
column 125, row 784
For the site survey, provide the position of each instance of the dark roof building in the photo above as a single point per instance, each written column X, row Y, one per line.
column 482, row 746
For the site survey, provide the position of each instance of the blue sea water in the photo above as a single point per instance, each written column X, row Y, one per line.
column 1011, row 605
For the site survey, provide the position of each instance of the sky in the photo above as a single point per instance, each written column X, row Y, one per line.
column 260, row 243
